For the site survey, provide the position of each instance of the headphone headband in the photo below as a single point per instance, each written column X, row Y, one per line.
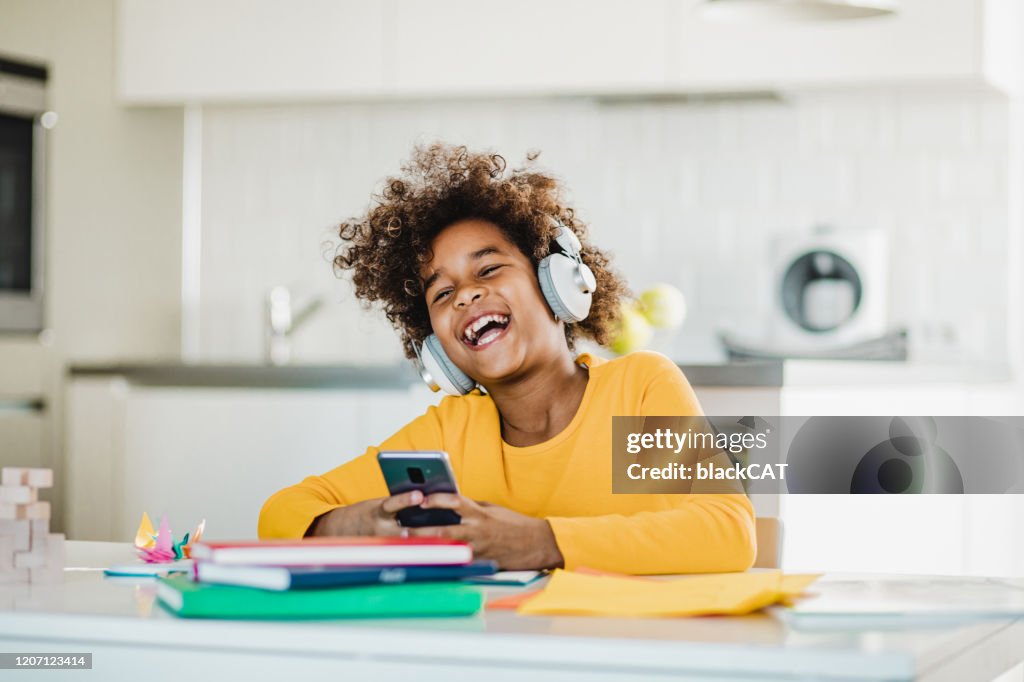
column 568, row 241
column 583, row 277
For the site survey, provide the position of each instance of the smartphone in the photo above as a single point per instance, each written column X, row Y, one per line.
column 425, row 470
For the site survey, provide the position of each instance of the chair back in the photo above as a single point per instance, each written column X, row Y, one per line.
column 769, row 543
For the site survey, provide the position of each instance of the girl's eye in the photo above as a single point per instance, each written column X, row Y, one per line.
column 489, row 269
column 441, row 295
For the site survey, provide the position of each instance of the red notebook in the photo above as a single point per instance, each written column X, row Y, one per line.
column 354, row 551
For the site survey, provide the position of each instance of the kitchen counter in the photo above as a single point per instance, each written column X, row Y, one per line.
column 755, row 374
column 886, row 373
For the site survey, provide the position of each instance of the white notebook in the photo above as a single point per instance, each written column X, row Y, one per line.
column 513, row 578
column 932, row 599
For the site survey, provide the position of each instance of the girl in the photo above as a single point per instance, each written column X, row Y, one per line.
column 452, row 250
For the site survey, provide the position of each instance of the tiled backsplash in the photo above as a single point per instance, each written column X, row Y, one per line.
column 684, row 193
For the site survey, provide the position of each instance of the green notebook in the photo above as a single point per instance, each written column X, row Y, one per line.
column 183, row 597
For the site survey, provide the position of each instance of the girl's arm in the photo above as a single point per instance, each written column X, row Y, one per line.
column 696, row 533
column 705, row 533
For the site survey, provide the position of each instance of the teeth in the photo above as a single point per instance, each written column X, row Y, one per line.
column 473, row 329
column 488, row 337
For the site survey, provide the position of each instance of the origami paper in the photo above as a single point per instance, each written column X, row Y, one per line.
column 160, row 547
column 145, row 534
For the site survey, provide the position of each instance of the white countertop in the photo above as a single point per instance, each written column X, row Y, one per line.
column 757, row 373
column 119, row 622
column 872, row 373
column 753, row 373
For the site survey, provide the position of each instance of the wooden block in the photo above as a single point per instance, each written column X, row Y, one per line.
column 40, row 478
column 8, row 527
column 11, row 512
column 13, row 476
column 46, row 575
column 39, row 527
column 30, row 559
column 6, row 553
column 53, row 572
column 18, row 494
column 38, row 542
column 37, row 511
column 14, row 576
column 17, row 512
column 20, row 533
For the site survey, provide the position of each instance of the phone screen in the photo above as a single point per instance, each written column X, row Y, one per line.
column 426, row 471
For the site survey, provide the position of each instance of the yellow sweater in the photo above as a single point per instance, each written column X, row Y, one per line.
column 567, row 480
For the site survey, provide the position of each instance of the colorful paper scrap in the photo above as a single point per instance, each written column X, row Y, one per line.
column 159, row 547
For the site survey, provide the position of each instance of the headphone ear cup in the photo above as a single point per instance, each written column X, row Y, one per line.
column 557, row 276
column 442, row 370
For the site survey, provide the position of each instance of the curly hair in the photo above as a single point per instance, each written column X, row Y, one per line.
column 441, row 185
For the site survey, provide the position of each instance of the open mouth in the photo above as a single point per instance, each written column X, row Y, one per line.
column 485, row 330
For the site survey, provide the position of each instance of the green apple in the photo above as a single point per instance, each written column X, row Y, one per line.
column 664, row 306
column 633, row 331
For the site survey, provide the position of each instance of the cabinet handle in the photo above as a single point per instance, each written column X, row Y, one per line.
column 10, row 406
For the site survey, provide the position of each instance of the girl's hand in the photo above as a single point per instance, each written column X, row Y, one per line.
column 514, row 540
column 369, row 517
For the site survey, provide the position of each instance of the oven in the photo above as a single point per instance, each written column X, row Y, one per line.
column 24, row 121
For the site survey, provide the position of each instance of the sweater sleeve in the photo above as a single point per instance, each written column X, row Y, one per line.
column 695, row 533
column 289, row 512
column 702, row 534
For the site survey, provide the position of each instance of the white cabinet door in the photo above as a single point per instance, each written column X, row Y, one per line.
column 191, row 50
column 492, row 46
column 220, row 453
column 934, row 534
column 213, row 453
column 231, row 50
column 946, row 41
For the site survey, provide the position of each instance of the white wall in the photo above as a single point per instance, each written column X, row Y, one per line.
column 688, row 194
column 113, row 233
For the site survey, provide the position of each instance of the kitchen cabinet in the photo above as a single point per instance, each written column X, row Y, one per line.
column 936, row 534
column 947, row 42
column 532, row 46
column 272, row 50
column 216, row 50
column 739, row 400
column 217, row 453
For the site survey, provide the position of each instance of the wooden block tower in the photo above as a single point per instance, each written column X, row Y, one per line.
column 29, row 552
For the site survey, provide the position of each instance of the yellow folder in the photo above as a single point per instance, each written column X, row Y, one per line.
column 733, row 594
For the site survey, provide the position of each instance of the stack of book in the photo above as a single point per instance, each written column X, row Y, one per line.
column 327, row 578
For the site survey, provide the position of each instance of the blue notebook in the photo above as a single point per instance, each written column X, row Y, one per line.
column 315, row 577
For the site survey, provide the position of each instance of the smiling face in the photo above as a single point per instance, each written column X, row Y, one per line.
column 485, row 304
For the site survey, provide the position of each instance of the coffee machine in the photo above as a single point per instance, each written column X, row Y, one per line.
column 829, row 299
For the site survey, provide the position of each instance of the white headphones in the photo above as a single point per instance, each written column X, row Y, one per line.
column 567, row 284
